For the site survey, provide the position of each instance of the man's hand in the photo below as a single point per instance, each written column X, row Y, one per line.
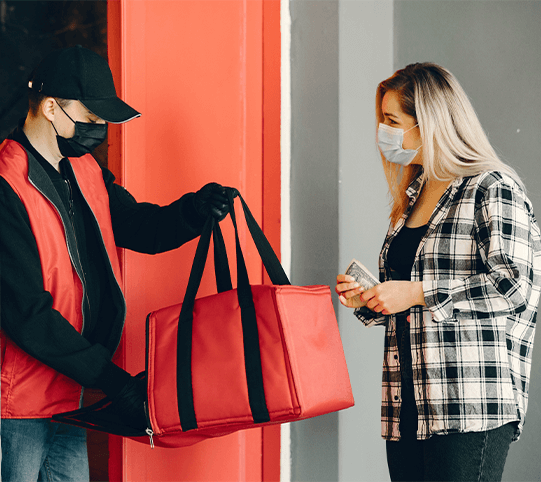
column 129, row 403
column 211, row 200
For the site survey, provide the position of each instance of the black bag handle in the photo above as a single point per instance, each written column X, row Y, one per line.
column 271, row 262
column 252, row 355
column 184, row 337
column 221, row 263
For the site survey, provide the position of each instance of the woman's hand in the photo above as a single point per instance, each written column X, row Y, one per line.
column 349, row 291
column 394, row 296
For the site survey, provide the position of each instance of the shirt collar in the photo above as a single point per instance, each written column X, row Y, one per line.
column 415, row 186
column 19, row 136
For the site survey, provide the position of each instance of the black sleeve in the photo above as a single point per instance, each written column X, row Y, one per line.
column 26, row 313
column 149, row 228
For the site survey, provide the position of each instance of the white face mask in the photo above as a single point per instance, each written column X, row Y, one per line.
column 390, row 141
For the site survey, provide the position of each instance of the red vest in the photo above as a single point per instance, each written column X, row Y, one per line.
column 31, row 389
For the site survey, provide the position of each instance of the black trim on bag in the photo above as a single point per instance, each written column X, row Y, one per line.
column 101, row 416
column 250, row 332
column 252, row 354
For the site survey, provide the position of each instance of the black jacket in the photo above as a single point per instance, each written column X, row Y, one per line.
column 26, row 311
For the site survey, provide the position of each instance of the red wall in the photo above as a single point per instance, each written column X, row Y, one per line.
column 205, row 75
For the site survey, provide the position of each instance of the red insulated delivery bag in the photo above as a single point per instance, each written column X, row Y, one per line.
column 238, row 359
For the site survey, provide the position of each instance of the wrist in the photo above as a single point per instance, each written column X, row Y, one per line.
column 112, row 380
column 189, row 212
column 418, row 294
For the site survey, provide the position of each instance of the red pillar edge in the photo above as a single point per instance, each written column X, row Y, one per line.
column 114, row 53
column 271, row 180
column 271, row 184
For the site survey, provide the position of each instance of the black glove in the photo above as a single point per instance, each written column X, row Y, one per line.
column 211, row 200
column 129, row 403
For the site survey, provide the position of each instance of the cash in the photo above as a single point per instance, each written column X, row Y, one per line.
column 361, row 274
column 366, row 279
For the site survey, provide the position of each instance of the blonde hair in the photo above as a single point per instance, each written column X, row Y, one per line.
column 454, row 143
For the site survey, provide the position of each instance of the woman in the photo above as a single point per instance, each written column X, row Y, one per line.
column 461, row 273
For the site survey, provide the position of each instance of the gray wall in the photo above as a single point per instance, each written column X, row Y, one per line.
column 314, row 201
column 494, row 49
column 338, row 192
column 366, row 34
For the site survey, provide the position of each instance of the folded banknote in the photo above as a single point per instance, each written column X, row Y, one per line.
column 361, row 274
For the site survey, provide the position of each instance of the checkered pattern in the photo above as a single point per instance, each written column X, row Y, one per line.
column 480, row 264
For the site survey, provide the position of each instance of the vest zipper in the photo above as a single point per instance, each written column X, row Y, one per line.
column 72, row 215
column 70, row 252
column 108, row 259
column 72, row 257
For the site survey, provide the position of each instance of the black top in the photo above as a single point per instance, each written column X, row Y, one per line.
column 27, row 316
column 400, row 257
column 402, row 251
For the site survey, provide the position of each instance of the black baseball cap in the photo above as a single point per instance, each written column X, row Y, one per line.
column 78, row 73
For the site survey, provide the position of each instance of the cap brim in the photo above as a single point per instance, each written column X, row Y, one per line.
column 113, row 110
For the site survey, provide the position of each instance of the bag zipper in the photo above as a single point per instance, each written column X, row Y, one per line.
column 148, row 430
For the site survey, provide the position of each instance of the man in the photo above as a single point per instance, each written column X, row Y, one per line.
column 61, row 220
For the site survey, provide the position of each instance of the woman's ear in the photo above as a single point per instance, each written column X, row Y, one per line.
column 47, row 108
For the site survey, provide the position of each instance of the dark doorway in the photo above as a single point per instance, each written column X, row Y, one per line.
column 31, row 29
column 28, row 31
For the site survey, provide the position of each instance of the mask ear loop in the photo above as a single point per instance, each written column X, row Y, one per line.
column 54, row 128
column 404, row 131
column 68, row 116
column 57, row 103
column 408, row 131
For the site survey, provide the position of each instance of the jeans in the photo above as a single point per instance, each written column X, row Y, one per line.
column 41, row 450
column 471, row 456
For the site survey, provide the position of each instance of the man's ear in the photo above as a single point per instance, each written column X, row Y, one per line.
column 47, row 108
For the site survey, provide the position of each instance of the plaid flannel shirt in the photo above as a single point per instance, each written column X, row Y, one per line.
column 480, row 265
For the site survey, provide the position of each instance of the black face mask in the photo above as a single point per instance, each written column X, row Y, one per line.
column 86, row 138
